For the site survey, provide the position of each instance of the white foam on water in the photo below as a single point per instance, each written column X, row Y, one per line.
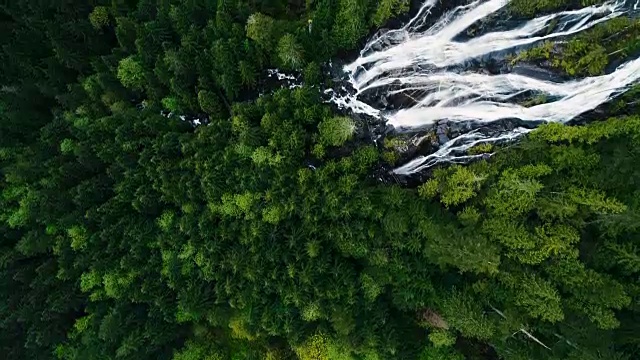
column 352, row 103
column 417, row 63
column 450, row 151
column 280, row 75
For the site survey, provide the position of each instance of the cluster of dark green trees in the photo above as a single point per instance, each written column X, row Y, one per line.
column 125, row 234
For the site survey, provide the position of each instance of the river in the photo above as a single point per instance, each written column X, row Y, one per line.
column 431, row 71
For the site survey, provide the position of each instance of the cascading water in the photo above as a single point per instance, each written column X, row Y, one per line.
column 429, row 70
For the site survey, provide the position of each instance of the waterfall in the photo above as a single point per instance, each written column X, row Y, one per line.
column 427, row 62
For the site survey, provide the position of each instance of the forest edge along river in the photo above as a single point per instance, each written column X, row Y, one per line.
column 443, row 80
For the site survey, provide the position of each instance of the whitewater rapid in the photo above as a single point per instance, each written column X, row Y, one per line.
column 431, row 66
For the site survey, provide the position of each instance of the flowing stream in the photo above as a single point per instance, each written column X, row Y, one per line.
column 428, row 70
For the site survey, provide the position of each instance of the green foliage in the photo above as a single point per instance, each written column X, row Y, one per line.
column 290, row 52
column 387, row 9
column 441, row 338
column 318, row 151
column 537, row 296
column 312, row 74
column 197, row 352
column 99, row 17
column 454, row 185
column 260, row 28
column 390, row 157
column 589, row 53
column 130, row 235
column 171, row 104
column 465, row 315
column 536, row 100
column 247, row 74
column 583, row 57
column 439, row 353
column 336, row 131
column 67, row 146
column 481, row 149
column 78, row 237
column 314, row 348
column 531, row 8
column 469, row 215
column 131, row 73
column 210, row 103
column 517, row 190
column 350, row 23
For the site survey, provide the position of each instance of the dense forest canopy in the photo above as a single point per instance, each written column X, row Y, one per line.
column 126, row 233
